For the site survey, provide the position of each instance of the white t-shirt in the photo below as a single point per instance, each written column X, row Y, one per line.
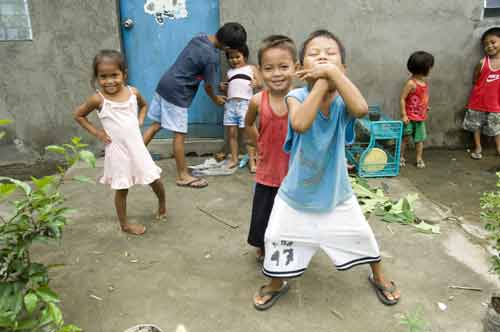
column 240, row 80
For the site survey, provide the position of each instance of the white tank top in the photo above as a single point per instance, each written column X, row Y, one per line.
column 240, row 80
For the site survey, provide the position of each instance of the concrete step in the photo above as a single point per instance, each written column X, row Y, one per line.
column 198, row 146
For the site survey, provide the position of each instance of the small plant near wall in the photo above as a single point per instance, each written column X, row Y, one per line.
column 490, row 215
column 27, row 303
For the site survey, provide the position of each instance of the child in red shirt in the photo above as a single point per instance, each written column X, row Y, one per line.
column 414, row 102
column 277, row 63
column 483, row 113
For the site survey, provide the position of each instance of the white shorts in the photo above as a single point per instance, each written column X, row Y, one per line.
column 235, row 110
column 168, row 115
column 293, row 237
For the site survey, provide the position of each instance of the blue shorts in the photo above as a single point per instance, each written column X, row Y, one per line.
column 235, row 110
column 168, row 115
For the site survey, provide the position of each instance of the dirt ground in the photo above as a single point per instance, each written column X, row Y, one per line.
column 192, row 273
column 454, row 179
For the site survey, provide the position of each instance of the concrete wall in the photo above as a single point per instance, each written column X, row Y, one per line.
column 44, row 79
column 379, row 37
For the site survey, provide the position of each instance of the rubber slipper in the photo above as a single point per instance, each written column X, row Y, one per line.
column 420, row 164
column 275, row 295
column 476, row 155
column 195, row 183
column 380, row 289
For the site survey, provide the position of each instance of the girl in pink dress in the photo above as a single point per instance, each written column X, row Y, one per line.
column 121, row 110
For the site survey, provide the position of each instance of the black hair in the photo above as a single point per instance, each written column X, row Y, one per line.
column 420, row 63
column 232, row 35
column 277, row 41
column 243, row 49
column 495, row 31
column 326, row 34
column 113, row 55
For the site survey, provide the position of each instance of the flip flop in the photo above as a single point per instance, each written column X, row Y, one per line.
column 420, row 164
column 380, row 289
column 476, row 155
column 275, row 295
column 202, row 183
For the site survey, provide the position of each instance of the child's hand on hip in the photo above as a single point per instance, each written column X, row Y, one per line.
column 103, row 136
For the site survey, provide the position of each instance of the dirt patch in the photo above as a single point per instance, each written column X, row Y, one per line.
column 454, row 179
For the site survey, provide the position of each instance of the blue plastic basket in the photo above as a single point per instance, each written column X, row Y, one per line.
column 379, row 132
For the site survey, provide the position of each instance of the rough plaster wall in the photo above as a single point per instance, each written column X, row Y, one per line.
column 44, row 79
column 379, row 37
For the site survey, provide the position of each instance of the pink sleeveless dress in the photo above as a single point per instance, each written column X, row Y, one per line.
column 127, row 161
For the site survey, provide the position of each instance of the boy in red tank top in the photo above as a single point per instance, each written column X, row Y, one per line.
column 483, row 109
column 277, row 63
column 414, row 102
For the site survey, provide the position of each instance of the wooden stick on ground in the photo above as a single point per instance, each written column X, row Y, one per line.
column 217, row 218
column 466, row 288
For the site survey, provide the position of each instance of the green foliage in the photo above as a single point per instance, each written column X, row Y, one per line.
column 3, row 123
column 27, row 303
column 374, row 200
column 414, row 321
column 490, row 215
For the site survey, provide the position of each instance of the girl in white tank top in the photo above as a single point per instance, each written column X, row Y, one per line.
column 242, row 78
column 127, row 162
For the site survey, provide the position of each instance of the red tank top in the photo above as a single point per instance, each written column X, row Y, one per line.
column 272, row 163
column 485, row 94
column 417, row 103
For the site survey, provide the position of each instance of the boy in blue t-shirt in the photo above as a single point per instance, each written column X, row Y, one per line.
column 199, row 61
column 315, row 207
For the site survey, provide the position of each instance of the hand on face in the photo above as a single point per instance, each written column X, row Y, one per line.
column 318, row 70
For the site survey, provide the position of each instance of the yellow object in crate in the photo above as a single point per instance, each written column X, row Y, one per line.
column 375, row 160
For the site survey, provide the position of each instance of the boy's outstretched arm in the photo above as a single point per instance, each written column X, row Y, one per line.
column 407, row 88
column 80, row 116
column 142, row 104
column 218, row 100
column 302, row 115
column 250, row 128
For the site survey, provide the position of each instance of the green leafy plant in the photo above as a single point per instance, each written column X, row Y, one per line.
column 3, row 123
column 374, row 200
column 27, row 303
column 490, row 215
column 414, row 321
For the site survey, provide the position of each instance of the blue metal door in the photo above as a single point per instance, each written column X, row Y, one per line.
column 154, row 32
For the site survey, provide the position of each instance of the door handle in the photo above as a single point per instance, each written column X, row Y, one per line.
column 128, row 23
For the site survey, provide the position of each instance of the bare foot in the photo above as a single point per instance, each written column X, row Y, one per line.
column 252, row 165
column 162, row 213
column 232, row 164
column 134, row 229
